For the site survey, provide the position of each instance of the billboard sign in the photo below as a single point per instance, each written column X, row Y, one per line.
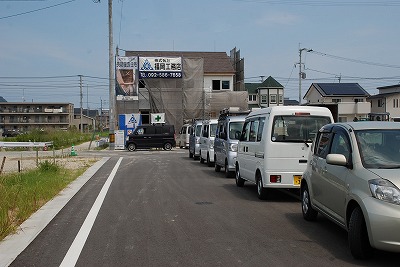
column 160, row 67
column 126, row 69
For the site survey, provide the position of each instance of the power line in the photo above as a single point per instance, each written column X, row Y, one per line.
column 356, row 60
column 36, row 10
column 325, row 3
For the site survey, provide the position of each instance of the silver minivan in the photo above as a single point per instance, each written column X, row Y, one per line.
column 207, row 137
column 194, row 139
column 226, row 140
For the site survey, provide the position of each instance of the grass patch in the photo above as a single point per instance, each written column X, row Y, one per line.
column 22, row 194
column 60, row 138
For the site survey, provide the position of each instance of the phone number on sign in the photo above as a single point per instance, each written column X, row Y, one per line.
column 144, row 75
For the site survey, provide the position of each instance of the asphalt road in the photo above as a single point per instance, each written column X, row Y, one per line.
column 161, row 208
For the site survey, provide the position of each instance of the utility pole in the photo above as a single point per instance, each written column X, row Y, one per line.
column 301, row 74
column 111, row 78
column 81, row 95
column 87, row 100
column 101, row 114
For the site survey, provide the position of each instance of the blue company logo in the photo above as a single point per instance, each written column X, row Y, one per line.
column 132, row 120
column 146, row 65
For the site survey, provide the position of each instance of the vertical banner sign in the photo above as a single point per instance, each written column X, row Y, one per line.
column 128, row 122
column 126, row 68
column 160, row 67
column 120, row 139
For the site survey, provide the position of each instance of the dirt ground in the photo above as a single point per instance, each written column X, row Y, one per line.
column 13, row 161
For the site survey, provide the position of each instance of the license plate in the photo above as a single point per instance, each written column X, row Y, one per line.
column 296, row 179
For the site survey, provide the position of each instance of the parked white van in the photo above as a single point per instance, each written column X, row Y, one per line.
column 274, row 145
column 207, row 137
column 183, row 137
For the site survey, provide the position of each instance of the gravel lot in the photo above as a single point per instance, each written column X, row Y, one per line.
column 25, row 160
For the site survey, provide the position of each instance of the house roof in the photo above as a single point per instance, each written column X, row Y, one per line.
column 339, row 89
column 270, row 83
column 251, row 88
column 214, row 62
column 389, row 87
column 2, row 99
column 378, row 96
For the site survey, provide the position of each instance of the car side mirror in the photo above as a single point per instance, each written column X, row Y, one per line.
column 336, row 159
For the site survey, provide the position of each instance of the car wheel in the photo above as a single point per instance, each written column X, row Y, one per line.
column 261, row 191
column 217, row 168
column 358, row 236
column 201, row 158
column 131, row 147
column 309, row 214
column 228, row 174
column 209, row 163
column 239, row 180
column 167, row 146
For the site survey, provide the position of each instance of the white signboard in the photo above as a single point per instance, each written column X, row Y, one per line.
column 119, row 139
column 157, row 118
column 160, row 67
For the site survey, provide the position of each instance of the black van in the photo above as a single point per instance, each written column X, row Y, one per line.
column 149, row 136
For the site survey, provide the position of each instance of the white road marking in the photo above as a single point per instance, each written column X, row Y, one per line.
column 75, row 250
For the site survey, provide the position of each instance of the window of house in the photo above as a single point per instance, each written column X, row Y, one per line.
column 380, row 103
column 280, row 99
column 252, row 97
column 336, row 100
column 226, row 85
column 358, row 100
column 272, row 99
column 216, row 84
column 394, row 103
column 264, row 99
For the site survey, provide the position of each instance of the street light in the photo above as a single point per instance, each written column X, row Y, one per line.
column 301, row 74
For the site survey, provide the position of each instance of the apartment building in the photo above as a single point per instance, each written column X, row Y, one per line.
column 25, row 116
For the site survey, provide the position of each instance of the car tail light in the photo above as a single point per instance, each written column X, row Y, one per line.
column 275, row 178
column 302, row 114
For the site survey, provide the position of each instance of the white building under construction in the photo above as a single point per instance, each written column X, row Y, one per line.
column 183, row 85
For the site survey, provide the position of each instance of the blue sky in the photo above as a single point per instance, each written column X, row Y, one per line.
column 45, row 49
